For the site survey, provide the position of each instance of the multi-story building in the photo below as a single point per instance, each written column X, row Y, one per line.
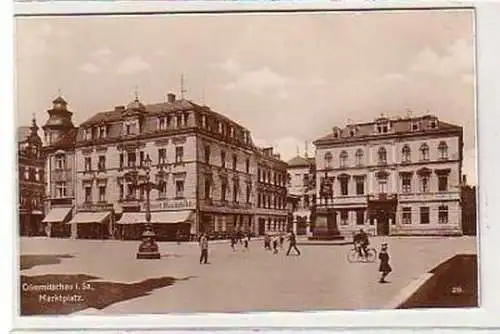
column 271, row 210
column 59, row 150
column 31, row 180
column 301, row 181
column 203, row 165
column 394, row 176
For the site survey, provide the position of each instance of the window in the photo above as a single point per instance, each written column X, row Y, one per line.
column 344, row 217
column 406, row 215
column 61, row 189
column 343, row 159
column 424, row 183
column 102, row 193
column 141, row 158
column 102, row 131
column 128, row 129
column 360, row 217
column 259, row 174
column 382, row 185
column 179, row 188
column 328, row 159
column 179, row 154
column 360, row 186
column 406, row 154
column 121, row 160
column 203, row 121
column 382, row 156
column 131, row 159
column 162, row 156
column 247, row 165
column 186, row 119
column 130, row 191
column 406, row 183
column 249, row 191
column 359, row 157
column 88, row 193
column 424, row 215
column 223, row 190
column 443, row 214
column 415, row 126
column 259, row 200
column 424, row 152
column 223, row 159
column 120, row 185
column 207, row 154
column 235, row 192
column 443, row 150
column 433, row 123
column 305, row 180
column 235, row 161
column 179, row 121
column 443, row 182
column 344, row 186
column 169, row 121
column 60, row 161
column 208, row 188
column 162, row 189
column 162, row 123
column 88, row 164
column 101, row 165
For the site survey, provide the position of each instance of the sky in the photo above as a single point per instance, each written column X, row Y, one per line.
column 288, row 78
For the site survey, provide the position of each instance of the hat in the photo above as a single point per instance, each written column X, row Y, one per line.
column 384, row 245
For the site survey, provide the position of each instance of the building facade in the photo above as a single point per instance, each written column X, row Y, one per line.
column 301, row 184
column 203, row 167
column 31, row 178
column 59, row 149
column 394, row 176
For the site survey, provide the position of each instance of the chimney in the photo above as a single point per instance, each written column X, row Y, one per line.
column 171, row 97
column 464, row 180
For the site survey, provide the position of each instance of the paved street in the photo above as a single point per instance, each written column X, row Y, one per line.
column 257, row 280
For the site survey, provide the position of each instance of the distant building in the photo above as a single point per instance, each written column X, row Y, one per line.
column 59, row 148
column 469, row 208
column 31, row 180
column 204, row 165
column 301, row 183
column 394, row 176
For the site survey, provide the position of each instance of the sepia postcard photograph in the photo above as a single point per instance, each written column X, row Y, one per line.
column 256, row 162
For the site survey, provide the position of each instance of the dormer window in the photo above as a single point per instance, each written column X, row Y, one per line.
column 179, row 121
column 203, row 121
column 162, row 123
column 102, row 131
column 433, row 123
column 382, row 128
column 415, row 126
column 128, row 129
column 231, row 132
column 186, row 119
column 219, row 127
column 88, row 134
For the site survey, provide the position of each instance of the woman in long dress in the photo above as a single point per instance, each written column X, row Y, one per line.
column 384, row 266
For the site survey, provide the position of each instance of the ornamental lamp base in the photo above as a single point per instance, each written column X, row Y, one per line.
column 148, row 249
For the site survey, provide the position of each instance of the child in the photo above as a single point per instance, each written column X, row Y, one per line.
column 384, row 267
column 275, row 245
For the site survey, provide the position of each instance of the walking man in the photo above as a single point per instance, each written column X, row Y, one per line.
column 204, row 249
column 293, row 244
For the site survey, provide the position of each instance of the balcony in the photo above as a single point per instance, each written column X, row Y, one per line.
column 382, row 197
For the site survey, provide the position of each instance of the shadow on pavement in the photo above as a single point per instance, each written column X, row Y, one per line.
column 65, row 294
column 30, row 261
column 453, row 284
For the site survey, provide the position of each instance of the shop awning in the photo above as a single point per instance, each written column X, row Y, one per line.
column 57, row 215
column 90, row 217
column 164, row 217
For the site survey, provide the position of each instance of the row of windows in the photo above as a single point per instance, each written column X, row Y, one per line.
column 223, row 159
column 30, row 174
column 271, row 201
column 384, row 126
column 271, row 177
column 406, row 216
column 224, row 190
column 406, row 184
column 382, row 155
column 224, row 129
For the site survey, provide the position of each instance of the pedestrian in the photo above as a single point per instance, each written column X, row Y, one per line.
column 384, row 266
column 275, row 245
column 267, row 242
column 233, row 242
column 245, row 242
column 178, row 237
column 282, row 240
column 293, row 244
column 204, row 249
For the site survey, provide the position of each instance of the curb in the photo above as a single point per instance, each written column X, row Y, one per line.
column 408, row 291
column 323, row 243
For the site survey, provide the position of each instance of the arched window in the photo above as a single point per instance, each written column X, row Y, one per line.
column 343, row 159
column 382, row 156
column 359, row 157
column 406, row 153
column 424, row 152
column 443, row 150
column 328, row 159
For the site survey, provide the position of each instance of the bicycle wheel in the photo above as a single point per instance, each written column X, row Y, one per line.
column 352, row 256
column 372, row 255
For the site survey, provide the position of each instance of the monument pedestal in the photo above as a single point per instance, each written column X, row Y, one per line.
column 325, row 227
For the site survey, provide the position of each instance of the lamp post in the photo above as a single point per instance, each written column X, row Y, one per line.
column 148, row 249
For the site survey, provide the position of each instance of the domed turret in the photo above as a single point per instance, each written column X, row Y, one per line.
column 59, row 122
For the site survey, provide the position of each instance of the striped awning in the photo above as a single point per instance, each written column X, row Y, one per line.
column 162, row 217
column 90, row 217
column 57, row 215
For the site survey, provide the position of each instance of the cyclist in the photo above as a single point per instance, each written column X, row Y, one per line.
column 361, row 241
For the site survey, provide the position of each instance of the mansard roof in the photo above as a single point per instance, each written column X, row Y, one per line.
column 299, row 161
column 398, row 126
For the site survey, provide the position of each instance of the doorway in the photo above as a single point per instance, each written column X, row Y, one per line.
column 262, row 226
column 383, row 223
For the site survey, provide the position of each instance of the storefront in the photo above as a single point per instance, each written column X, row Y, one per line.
column 93, row 225
column 55, row 222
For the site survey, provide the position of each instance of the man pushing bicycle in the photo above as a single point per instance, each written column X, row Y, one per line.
column 361, row 242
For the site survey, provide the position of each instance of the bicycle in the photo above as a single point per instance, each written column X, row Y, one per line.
column 353, row 255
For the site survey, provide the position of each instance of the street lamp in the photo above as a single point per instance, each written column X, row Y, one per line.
column 148, row 249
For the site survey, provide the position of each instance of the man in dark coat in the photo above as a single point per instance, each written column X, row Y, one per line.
column 293, row 244
column 384, row 266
